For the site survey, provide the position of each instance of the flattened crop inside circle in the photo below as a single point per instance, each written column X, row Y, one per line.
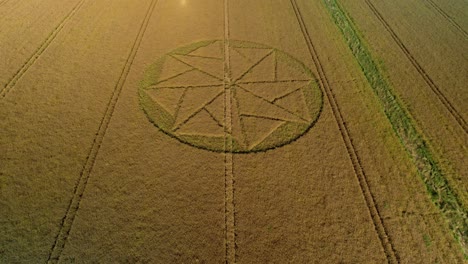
column 274, row 99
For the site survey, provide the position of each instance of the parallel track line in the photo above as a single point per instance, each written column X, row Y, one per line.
column 447, row 17
column 434, row 87
column 68, row 219
column 374, row 212
column 39, row 51
column 229, row 197
column 437, row 186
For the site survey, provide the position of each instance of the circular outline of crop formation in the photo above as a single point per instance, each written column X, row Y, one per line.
column 259, row 99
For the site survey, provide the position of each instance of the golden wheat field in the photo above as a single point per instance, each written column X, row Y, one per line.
column 233, row 131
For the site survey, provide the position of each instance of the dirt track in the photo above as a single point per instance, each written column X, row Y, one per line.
column 215, row 131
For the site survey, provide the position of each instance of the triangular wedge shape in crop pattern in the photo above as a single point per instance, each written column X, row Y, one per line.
column 252, row 105
column 217, row 108
column 167, row 98
column 190, row 79
column 211, row 66
column 194, row 100
column 273, row 90
column 172, row 67
column 214, row 50
column 239, row 64
column 264, row 71
column 257, row 129
column 201, row 124
column 252, row 54
column 295, row 102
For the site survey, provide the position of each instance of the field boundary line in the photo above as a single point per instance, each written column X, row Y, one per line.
column 447, row 17
column 377, row 220
column 17, row 76
column 443, row 196
column 68, row 219
column 434, row 87
column 229, row 203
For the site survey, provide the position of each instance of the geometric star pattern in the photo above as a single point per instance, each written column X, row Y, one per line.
column 274, row 98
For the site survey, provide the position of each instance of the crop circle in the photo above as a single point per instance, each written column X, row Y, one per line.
column 235, row 96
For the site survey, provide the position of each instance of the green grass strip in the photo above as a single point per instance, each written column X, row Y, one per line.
column 436, row 184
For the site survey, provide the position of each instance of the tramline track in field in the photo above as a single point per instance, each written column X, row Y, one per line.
column 447, row 17
column 68, row 219
column 229, row 190
column 30, row 62
column 442, row 194
column 382, row 232
column 434, row 87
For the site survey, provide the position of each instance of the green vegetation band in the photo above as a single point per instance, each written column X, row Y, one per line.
column 437, row 185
